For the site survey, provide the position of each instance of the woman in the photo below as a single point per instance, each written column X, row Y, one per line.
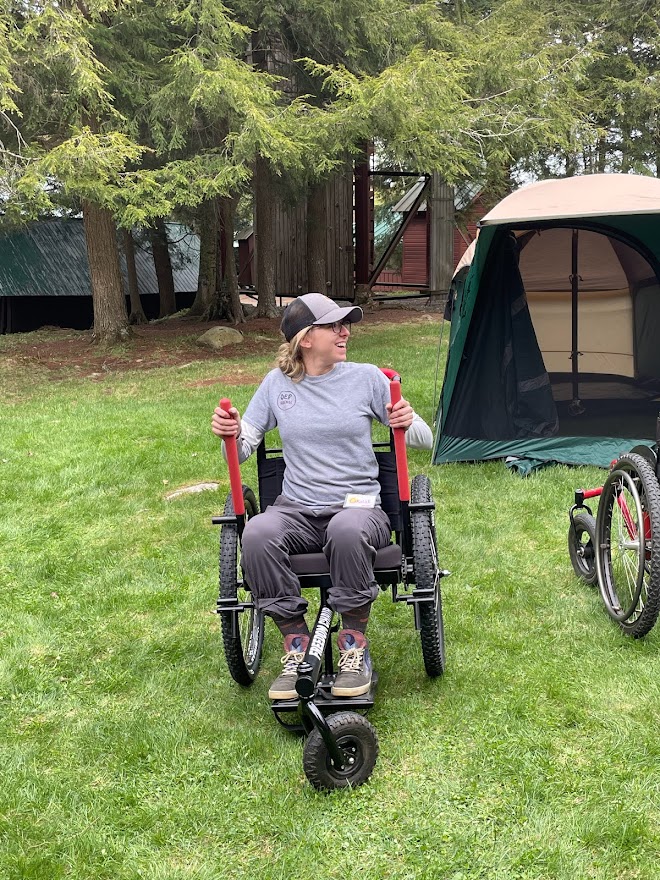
column 323, row 407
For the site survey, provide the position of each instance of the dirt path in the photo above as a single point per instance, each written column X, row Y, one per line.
column 164, row 343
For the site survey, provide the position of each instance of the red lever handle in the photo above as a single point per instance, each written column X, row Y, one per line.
column 400, row 447
column 234, row 468
column 391, row 374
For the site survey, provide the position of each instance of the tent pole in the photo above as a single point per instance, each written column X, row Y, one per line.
column 575, row 406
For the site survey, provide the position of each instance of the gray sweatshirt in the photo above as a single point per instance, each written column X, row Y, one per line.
column 325, row 426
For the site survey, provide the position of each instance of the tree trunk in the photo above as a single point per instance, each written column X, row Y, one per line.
column 317, row 222
column 571, row 164
column 364, row 244
column 110, row 317
column 231, row 294
column 163, row 265
column 137, row 315
column 264, row 239
column 206, row 296
column 625, row 148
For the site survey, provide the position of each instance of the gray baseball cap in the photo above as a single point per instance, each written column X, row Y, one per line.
column 314, row 308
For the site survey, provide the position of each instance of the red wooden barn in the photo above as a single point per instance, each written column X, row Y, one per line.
column 469, row 206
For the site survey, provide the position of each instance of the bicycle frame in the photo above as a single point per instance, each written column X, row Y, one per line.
column 581, row 495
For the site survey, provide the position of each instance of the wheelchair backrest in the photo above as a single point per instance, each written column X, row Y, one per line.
column 270, row 468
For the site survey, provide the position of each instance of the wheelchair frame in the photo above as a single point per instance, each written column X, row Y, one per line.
column 342, row 745
column 619, row 548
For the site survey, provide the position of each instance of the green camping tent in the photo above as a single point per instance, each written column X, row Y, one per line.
column 554, row 352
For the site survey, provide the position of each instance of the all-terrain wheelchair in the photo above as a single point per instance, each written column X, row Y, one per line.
column 342, row 745
column 619, row 548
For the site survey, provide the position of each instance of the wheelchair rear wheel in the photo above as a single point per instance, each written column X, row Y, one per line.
column 628, row 547
column 427, row 576
column 582, row 547
column 242, row 631
column 357, row 738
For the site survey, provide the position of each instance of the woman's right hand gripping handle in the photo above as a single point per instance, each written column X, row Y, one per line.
column 400, row 446
column 226, row 423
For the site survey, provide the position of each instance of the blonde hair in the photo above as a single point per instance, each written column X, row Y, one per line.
column 290, row 356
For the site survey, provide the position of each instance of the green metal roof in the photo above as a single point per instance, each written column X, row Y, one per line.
column 49, row 258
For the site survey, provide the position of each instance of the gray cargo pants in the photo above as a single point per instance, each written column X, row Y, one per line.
column 349, row 537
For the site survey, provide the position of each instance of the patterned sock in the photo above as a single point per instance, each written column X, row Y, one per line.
column 292, row 626
column 356, row 619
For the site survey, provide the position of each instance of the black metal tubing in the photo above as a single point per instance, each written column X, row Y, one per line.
column 575, row 507
column 235, row 519
column 231, row 605
column 312, row 714
column 406, row 530
column 421, row 596
column 309, row 671
column 317, row 650
column 575, row 278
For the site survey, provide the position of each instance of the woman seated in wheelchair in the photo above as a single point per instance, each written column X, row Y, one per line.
column 323, row 407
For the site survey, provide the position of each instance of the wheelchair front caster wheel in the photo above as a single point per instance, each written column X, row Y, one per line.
column 357, row 739
column 582, row 547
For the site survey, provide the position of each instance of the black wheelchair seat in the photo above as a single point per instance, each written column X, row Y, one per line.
column 387, row 559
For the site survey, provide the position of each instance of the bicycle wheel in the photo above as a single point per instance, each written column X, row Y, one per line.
column 582, row 547
column 242, row 631
column 628, row 551
column 427, row 576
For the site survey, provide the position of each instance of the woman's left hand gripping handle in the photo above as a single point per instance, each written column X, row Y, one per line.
column 232, row 461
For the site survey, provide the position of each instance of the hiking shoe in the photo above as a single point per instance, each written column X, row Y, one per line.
column 354, row 675
column 284, row 686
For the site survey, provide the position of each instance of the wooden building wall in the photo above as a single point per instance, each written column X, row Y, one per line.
column 291, row 243
column 290, row 250
column 414, row 269
column 340, row 255
column 246, row 260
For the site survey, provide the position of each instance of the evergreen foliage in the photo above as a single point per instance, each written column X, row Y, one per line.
column 151, row 107
column 171, row 104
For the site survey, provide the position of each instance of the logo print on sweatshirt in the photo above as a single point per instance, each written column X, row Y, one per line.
column 286, row 400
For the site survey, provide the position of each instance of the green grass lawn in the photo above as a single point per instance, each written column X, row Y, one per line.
column 127, row 751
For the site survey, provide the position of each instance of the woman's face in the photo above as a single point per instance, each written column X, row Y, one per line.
column 325, row 344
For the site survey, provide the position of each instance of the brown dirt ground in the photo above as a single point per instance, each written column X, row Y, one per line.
column 164, row 343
